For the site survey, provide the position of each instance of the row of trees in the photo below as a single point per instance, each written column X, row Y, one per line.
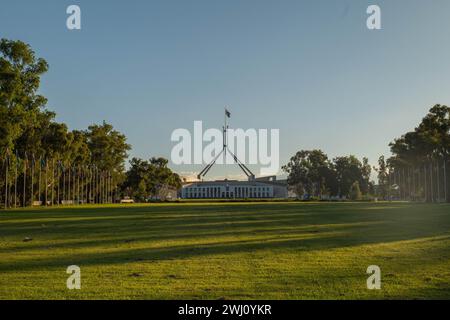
column 417, row 170
column 312, row 173
column 150, row 178
column 41, row 159
column 33, row 143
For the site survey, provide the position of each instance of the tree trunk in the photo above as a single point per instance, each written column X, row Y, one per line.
column 446, row 182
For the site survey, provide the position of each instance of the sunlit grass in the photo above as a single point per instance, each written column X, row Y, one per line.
column 227, row 251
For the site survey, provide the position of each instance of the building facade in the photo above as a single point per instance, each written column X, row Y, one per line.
column 231, row 189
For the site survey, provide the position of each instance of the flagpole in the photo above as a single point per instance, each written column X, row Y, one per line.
column 68, row 183
column 93, row 184
column 99, row 186
column 87, row 180
column 438, row 181
column 15, row 182
column 25, row 181
column 64, row 184
column 6, row 178
column 46, row 181
column 58, row 187
column 74, row 189
column 32, row 179
column 89, row 184
column 39, row 181
column 53, row 181
column 445, row 180
column 78, row 185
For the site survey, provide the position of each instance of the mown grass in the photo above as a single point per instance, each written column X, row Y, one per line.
column 227, row 251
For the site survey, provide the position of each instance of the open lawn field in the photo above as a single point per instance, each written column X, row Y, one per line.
column 227, row 251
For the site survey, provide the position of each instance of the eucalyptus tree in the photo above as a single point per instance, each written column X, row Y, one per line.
column 425, row 151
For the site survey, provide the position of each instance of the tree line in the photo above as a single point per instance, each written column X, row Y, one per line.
column 417, row 169
column 311, row 173
column 42, row 160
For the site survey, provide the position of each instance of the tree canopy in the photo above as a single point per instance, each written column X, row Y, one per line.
column 426, row 147
column 150, row 179
column 313, row 173
column 29, row 131
column 27, row 128
column 429, row 140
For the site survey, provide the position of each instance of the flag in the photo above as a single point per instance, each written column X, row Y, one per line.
column 227, row 113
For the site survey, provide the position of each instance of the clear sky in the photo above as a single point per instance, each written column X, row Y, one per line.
column 309, row 68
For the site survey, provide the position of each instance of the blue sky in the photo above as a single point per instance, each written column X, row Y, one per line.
column 309, row 68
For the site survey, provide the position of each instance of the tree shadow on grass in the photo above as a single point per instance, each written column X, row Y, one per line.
column 262, row 229
column 299, row 243
column 185, row 224
column 168, row 253
column 178, row 221
column 277, row 228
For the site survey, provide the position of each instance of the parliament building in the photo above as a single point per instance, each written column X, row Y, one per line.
column 260, row 188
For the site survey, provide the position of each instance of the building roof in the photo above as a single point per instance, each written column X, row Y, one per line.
column 227, row 182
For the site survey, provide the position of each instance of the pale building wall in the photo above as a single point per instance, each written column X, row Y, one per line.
column 229, row 190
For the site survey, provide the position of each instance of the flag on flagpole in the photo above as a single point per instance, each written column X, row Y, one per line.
column 227, row 113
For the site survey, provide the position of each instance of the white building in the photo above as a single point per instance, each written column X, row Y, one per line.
column 259, row 188
column 232, row 189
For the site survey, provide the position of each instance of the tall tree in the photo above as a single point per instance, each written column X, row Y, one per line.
column 20, row 104
column 29, row 131
column 107, row 146
column 311, row 172
column 383, row 178
column 428, row 143
column 150, row 178
column 348, row 170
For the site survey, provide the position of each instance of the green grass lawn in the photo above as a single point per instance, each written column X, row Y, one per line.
column 227, row 251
